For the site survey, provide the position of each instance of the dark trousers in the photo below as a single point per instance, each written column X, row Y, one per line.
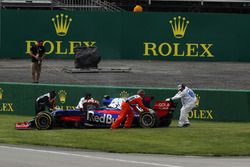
column 39, row 107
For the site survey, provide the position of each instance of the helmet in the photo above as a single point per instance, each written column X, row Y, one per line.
column 106, row 97
column 87, row 96
column 141, row 92
column 181, row 86
column 52, row 94
column 138, row 8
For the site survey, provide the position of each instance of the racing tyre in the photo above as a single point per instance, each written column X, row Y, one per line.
column 148, row 120
column 166, row 121
column 44, row 120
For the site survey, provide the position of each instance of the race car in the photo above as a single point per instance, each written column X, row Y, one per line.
column 100, row 117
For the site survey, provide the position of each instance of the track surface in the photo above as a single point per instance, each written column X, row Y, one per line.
column 31, row 156
column 202, row 75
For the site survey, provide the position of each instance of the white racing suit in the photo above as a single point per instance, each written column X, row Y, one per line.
column 82, row 101
column 188, row 100
column 116, row 103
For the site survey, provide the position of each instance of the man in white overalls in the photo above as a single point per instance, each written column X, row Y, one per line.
column 188, row 100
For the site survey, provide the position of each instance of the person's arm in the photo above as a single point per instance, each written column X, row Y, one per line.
column 53, row 104
column 35, row 56
column 113, row 103
column 80, row 104
column 46, row 100
column 178, row 95
column 140, row 103
column 42, row 53
column 32, row 52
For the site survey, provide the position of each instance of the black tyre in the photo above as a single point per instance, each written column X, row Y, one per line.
column 148, row 120
column 44, row 120
column 166, row 121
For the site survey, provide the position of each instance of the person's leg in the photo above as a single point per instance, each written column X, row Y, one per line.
column 185, row 119
column 188, row 109
column 119, row 120
column 40, row 107
column 37, row 109
column 39, row 68
column 185, row 110
column 183, row 116
column 121, row 117
column 33, row 71
column 129, row 119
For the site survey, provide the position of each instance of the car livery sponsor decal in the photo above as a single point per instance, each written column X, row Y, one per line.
column 103, row 118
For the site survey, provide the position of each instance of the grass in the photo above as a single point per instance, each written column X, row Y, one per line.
column 202, row 138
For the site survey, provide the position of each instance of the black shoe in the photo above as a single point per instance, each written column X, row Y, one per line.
column 186, row 125
column 183, row 126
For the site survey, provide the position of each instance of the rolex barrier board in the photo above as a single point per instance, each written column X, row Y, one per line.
column 128, row 35
column 211, row 105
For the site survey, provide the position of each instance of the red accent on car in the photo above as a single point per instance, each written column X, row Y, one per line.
column 22, row 125
column 162, row 107
column 109, row 111
column 70, row 118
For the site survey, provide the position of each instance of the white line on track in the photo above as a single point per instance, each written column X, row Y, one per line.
column 87, row 156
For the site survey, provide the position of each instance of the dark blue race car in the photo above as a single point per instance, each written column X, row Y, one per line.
column 99, row 117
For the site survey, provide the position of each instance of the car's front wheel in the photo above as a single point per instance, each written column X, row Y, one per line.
column 44, row 120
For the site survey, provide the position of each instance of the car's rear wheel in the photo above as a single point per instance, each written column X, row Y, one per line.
column 148, row 120
column 166, row 121
column 44, row 120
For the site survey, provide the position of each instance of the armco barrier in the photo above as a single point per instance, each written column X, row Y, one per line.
column 128, row 35
column 213, row 105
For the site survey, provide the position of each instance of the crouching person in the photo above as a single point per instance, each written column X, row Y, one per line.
column 47, row 100
column 87, row 102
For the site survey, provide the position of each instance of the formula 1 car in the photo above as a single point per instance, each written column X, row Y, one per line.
column 99, row 117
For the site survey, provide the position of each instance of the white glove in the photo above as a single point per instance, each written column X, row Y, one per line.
column 168, row 99
column 151, row 111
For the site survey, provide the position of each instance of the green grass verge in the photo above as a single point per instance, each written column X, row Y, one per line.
column 202, row 138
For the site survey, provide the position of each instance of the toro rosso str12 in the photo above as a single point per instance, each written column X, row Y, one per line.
column 99, row 117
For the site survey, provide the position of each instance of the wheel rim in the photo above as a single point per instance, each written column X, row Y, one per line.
column 147, row 120
column 43, row 121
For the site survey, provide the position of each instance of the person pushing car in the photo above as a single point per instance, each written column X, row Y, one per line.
column 188, row 100
column 44, row 101
column 47, row 100
column 86, row 102
column 127, row 110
